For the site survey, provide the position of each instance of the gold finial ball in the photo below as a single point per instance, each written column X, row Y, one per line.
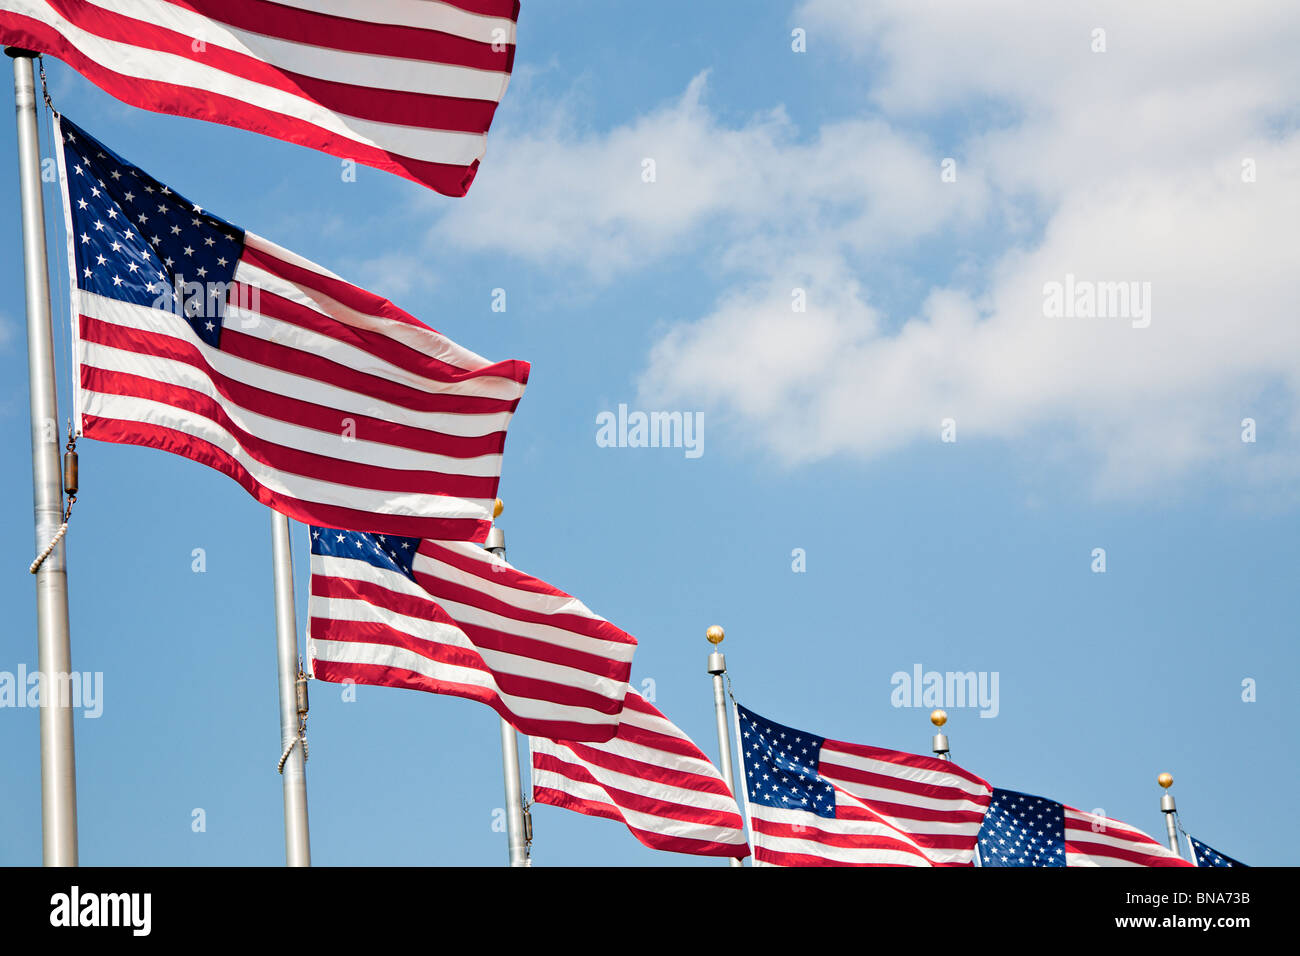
column 938, row 717
column 715, row 634
column 1165, row 780
column 497, row 508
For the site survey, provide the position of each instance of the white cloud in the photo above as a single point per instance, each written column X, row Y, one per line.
column 1117, row 166
column 561, row 197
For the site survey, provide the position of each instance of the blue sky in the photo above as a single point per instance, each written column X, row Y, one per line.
column 775, row 170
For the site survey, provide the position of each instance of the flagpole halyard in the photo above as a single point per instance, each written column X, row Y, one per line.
column 58, row 755
column 518, row 830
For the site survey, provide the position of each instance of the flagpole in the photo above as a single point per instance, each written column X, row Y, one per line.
column 939, row 744
column 54, row 647
column 718, row 668
column 1166, row 780
column 293, row 700
column 516, row 828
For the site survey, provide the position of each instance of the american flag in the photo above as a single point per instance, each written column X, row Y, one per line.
column 451, row 618
column 323, row 400
column 1023, row 830
column 819, row 802
column 651, row 776
column 406, row 86
column 1203, row 855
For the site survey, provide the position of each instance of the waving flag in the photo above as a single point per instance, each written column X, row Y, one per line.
column 1203, row 855
column 1024, row 830
column 819, row 802
column 323, row 400
column 451, row 618
column 651, row 776
column 407, row 86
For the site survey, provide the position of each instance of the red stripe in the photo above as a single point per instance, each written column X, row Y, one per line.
column 180, row 100
column 356, row 35
column 658, row 772
column 285, row 458
column 516, row 685
column 405, row 108
column 378, row 675
column 847, row 841
column 178, row 350
column 329, row 372
column 326, row 585
column 378, row 344
column 367, row 303
column 780, row 858
column 918, row 761
column 901, row 785
column 655, row 841
column 512, row 577
column 657, row 741
column 1120, row 853
column 308, row 512
column 638, row 802
column 940, row 841
column 443, row 590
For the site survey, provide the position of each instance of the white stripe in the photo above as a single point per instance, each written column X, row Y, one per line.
column 653, row 823
column 435, row 632
column 521, row 599
column 898, row 771
column 657, row 790
column 559, row 637
column 345, row 401
column 385, row 655
column 328, row 443
column 421, row 338
column 425, row 14
column 256, row 324
column 437, row 146
column 278, row 480
column 323, row 62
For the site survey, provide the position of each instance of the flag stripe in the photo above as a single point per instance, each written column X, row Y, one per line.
column 376, row 619
column 407, row 87
column 651, row 777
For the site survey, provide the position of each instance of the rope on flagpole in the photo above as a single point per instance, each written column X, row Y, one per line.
column 70, row 479
column 300, row 688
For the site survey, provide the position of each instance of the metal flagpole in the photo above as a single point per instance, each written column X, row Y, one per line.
column 293, row 700
column 718, row 667
column 518, row 822
column 1166, row 780
column 54, row 648
column 939, row 744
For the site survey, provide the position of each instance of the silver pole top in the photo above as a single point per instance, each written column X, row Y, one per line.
column 496, row 538
column 1166, row 780
column 717, row 660
column 940, row 742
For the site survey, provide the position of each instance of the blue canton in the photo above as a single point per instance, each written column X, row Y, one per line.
column 1208, row 856
column 1022, row 830
column 387, row 551
column 138, row 241
column 781, row 766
